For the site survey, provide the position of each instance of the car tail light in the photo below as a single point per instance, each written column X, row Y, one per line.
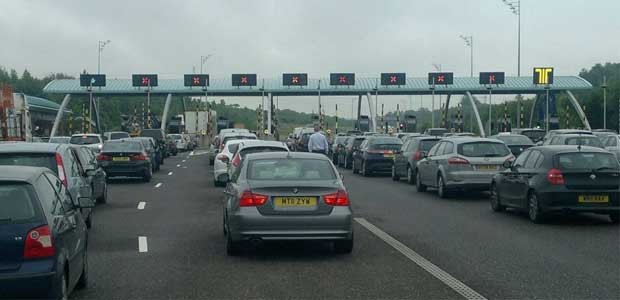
column 39, row 243
column 252, row 199
column 555, row 177
column 61, row 170
column 222, row 157
column 236, row 160
column 103, row 157
column 376, row 151
column 457, row 161
column 417, row 155
column 140, row 156
column 341, row 198
column 221, row 146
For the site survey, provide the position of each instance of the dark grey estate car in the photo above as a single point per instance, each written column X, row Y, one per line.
column 287, row 196
column 413, row 150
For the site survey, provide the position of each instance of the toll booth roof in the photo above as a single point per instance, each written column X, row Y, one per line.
column 413, row 86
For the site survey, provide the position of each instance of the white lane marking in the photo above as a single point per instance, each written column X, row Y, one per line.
column 183, row 161
column 169, row 173
column 178, row 166
column 141, row 205
column 184, row 167
column 142, row 244
column 431, row 268
column 191, row 153
column 158, row 185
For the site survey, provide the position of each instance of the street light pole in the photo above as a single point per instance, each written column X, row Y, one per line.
column 203, row 60
column 604, row 86
column 515, row 7
column 469, row 41
column 102, row 45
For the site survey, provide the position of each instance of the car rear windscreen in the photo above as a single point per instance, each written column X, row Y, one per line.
column 483, row 149
column 84, row 140
column 290, row 169
column 357, row 142
column 385, row 144
column 156, row 134
column 60, row 140
column 534, row 134
column 125, row 146
column 426, row 145
column 175, row 137
column 15, row 203
column 586, row 160
column 584, row 141
column 251, row 150
column 240, row 137
column 515, row 140
column 119, row 135
column 45, row 160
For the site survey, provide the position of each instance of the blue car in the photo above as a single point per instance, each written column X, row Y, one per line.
column 43, row 236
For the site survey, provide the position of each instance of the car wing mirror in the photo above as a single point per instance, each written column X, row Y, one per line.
column 507, row 164
column 85, row 202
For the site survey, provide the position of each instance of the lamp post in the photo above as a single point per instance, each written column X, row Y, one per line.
column 515, row 8
column 203, row 60
column 604, row 86
column 469, row 41
column 102, row 45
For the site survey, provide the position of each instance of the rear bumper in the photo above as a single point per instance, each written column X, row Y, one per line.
column 248, row 223
column 469, row 180
column 113, row 169
column 379, row 165
column 30, row 285
column 568, row 202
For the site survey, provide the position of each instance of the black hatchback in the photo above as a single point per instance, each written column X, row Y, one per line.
column 556, row 179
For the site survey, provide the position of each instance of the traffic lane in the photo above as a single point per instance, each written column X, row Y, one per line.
column 500, row 255
column 113, row 239
column 187, row 258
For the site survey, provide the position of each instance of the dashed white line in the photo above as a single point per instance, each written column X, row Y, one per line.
column 141, row 205
column 191, row 153
column 142, row 244
column 184, row 167
column 183, row 161
column 431, row 268
column 158, row 185
column 178, row 166
column 169, row 173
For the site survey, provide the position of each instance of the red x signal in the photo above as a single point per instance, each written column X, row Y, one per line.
column 343, row 79
column 393, row 79
column 145, row 80
column 244, row 79
column 295, row 79
column 441, row 78
column 491, row 78
column 196, row 80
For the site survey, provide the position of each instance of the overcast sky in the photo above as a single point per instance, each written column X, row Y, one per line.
column 314, row 37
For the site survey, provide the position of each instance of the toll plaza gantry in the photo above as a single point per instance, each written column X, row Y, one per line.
column 542, row 84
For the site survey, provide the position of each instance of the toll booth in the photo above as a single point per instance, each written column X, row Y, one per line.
column 363, row 124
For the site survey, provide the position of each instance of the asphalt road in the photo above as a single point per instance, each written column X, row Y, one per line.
column 499, row 256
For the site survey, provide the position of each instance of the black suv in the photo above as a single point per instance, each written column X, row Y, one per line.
column 160, row 138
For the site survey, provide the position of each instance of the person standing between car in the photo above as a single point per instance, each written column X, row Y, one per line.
column 318, row 142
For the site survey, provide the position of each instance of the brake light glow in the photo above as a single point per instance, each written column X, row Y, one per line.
column 236, row 160
column 417, row 155
column 555, row 177
column 61, row 170
column 341, row 198
column 222, row 157
column 140, row 156
column 39, row 243
column 455, row 160
column 252, row 199
column 102, row 157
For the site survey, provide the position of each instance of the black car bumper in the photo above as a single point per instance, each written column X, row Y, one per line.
column 113, row 169
column 569, row 202
column 379, row 165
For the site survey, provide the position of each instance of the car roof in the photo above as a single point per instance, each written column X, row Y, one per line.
column 116, row 132
column 256, row 143
column 30, row 147
column 266, row 155
column 236, row 133
column 20, row 173
column 568, row 148
column 469, row 139
column 566, row 131
column 591, row 136
column 86, row 134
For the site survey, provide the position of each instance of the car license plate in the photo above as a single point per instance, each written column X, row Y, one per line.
column 593, row 198
column 487, row 167
column 120, row 158
column 295, row 201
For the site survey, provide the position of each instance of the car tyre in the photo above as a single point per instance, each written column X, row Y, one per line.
column 364, row 169
column 104, row 198
column 347, row 165
column 411, row 179
column 344, row 246
column 614, row 217
column 353, row 167
column 148, row 174
column 83, row 281
column 232, row 248
column 442, row 190
column 211, row 161
column 394, row 176
column 420, row 187
column 496, row 202
column 533, row 209
column 89, row 222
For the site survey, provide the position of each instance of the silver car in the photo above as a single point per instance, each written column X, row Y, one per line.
column 612, row 144
column 464, row 163
column 287, row 196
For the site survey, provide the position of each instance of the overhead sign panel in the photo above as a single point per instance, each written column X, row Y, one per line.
column 92, row 80
column 543, row 75
column 299, row 79
column 492, row 77
column 244, row 79
column 440, row 78
column 196, row 79
column 393, row 78
column 144, row 79
column 342, row 79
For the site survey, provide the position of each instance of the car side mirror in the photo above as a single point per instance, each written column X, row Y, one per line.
column 507, row 164
column 85, row 202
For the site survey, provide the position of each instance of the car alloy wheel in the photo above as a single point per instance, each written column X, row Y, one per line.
column 534, row 208
column 410, row 177
column 420, row 187
column 495, row 200
column 441, row 187
column 394, row 177
column 364, row 171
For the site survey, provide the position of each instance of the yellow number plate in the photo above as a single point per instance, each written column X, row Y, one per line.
column 295, row 201
column 593, row 198
column 120, row 158
column 487, row 168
